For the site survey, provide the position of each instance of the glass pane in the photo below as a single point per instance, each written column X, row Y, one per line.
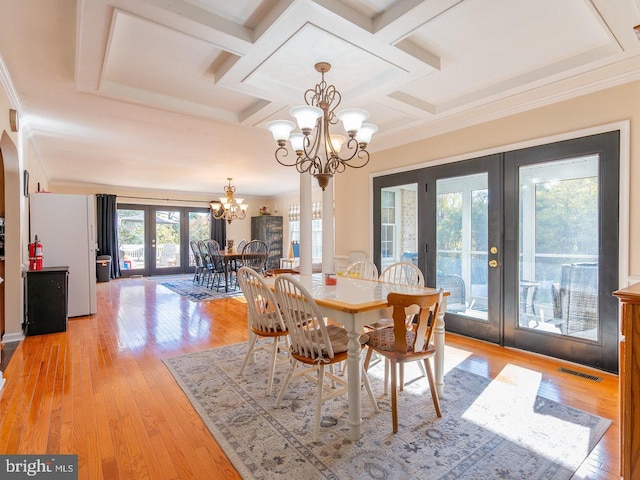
column 199, row 229
column 559, row 247
column 131, row 228
column 462, row 234
column 399, row 225
column 167, row 238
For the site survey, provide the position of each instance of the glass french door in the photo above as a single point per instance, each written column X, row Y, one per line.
column 464, row 244
column 561, row 243
column 525, row 242
column 155, row 240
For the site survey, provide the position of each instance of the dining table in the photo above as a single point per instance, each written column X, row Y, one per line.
column 353, row 303
column 227, row 257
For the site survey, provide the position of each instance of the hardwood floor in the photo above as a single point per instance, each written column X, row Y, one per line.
column 101, row 391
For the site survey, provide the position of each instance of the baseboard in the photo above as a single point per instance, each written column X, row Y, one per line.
column 12, row 337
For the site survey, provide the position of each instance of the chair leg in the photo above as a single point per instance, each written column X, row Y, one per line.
column 386, row 376
column 252, row 345
column 285, row 384
column 316, row 427
column 394, row 396
column 401, row 383
column 272, row 367
column 432, row 387
column 367, row 359
column 367, row 385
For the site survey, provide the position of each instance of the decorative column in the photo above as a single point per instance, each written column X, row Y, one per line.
column 305, row 224
column 328, row 230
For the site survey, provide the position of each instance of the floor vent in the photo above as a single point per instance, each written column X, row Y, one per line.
column 580, row 374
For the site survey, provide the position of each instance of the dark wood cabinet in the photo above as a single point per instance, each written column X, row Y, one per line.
column 46, row 300
column 268, row 228
column 629, row 382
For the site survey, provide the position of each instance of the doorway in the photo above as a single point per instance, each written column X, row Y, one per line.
column 526, row 243
column 154, row 240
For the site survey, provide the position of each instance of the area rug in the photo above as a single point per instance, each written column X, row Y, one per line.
column 195, row 292
column 489, row 429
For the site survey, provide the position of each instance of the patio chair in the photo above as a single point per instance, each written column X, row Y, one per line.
column 401, row 343
column 454, row 284
column 314, row 343
column 575, row 298
column 265, row 321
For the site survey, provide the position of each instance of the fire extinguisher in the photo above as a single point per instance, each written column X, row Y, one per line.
column 35, row 255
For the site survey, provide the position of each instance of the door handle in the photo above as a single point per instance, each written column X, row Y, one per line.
column 493, row 263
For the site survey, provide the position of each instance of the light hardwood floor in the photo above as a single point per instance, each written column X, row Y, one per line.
column 101, row 391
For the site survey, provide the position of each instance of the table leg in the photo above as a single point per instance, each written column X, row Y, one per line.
column 438, row 340
column 355, row 379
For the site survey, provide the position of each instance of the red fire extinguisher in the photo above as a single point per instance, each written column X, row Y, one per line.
column 35, row 255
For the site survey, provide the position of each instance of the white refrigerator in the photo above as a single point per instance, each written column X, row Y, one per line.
column 65, row 225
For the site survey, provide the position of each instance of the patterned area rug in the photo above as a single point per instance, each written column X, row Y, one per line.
column 197, row 293
column 489, row 429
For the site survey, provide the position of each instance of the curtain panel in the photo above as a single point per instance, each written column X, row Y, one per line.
column 107, row 230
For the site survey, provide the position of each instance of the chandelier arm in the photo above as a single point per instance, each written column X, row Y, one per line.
column 283, row 152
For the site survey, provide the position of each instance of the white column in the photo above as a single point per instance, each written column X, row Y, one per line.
column 328, row 230
column 305, row 224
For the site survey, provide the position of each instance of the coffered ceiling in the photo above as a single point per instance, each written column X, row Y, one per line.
column 174, row 94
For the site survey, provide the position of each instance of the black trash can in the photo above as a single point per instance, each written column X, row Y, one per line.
column 103, row 268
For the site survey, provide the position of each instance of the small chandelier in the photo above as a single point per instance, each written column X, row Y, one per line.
column 229, row 207
column 317, row 149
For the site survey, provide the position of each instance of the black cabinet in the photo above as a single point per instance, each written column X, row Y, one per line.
column 268, row 228
column 46, row 300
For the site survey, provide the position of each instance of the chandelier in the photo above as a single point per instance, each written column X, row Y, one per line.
column 317, row 149
column 229, row 207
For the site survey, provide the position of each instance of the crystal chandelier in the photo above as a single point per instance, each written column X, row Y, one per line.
column 317, row 149
column 229, row 207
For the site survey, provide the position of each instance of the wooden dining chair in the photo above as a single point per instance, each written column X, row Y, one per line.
column 364, row 269
column 217, row 267
column 197, row 260
column 314, row 343
column 402, row 343
column 399, row 273
column 254, row 255
column 265, row 322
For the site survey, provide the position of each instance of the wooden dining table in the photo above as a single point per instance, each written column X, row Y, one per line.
column 227, row 256
column 354, row 303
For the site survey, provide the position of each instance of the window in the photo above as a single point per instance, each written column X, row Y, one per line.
column 316, row 227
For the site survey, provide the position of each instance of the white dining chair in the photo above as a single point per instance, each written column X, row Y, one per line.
column 315, row 344
column 365, row 269
column 403, row 273
column 266, row 321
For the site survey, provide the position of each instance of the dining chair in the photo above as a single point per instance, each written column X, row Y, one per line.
column 207, row 265
column 399, row 273
column 315, row 343
column 217, row 266
column 197, row 260
column 403, row 273
column 265, row 321
column 364, row 269
column 402, row 343
column 254, row 255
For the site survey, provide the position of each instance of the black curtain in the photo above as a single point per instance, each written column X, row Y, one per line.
column 107, row 213
column 219, row 231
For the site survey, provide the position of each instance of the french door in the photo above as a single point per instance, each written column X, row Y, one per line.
column 154, row 240
column 526, row 243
